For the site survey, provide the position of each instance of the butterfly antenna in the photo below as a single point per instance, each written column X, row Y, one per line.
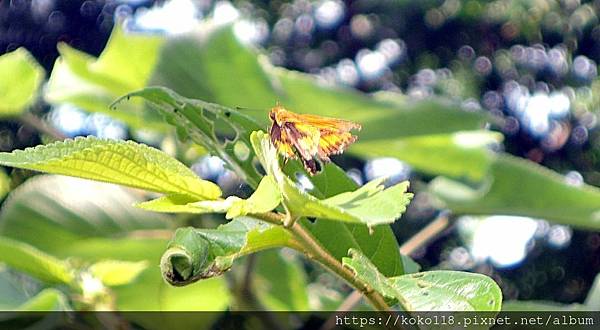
column 249, row 109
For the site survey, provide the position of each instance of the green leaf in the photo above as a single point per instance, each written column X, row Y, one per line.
column 515, row 186
column 430, row 291
column 195, row 254
column 193, row 65
column 369, row 204
column 197, row 65
column 92, row 84
column 46, row 300
column 266, row 198
column 122, row 162
column 62, row 212
column 92, row 221
column 207, row 124
column 115, row 272
column 20, row 80
column 27, row 259
column 151, row 293
column 449, row 290
column 280, row 281
column 177, row 203
column 461, row 154
column 337, row 238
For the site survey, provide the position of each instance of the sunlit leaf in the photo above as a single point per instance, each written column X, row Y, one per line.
column 121, row 162
column 93, row 84
column 115, row 272
column 266, row 198
column 20, row 79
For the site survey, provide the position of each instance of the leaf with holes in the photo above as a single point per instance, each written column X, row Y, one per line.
column 205, row 124
column 430, row 291
column 122, row 162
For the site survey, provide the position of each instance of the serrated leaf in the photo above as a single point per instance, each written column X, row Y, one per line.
column 38, row 264
column 430, row 291
column 116, row 272
column 369, row 204
column 195, row 254
column 515, row 186
column 199, row 121
column 20, row 79
column 264, row 199
column 122, row 162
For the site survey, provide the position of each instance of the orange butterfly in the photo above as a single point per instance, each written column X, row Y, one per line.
column 313, row 138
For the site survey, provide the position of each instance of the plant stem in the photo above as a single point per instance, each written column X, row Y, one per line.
column 309, row 246
column 327, row 260
column 32, row 120
column 421, row 238
column 425, row 235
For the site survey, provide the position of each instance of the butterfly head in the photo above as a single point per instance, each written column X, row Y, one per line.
column 274, row 114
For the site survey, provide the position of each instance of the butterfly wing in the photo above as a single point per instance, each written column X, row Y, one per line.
column 281, row 141
column 333, row 142
column 313, row 137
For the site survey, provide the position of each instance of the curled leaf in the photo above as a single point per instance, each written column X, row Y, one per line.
column 195, row 254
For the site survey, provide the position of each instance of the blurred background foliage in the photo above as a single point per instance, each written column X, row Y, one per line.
column 468, row 99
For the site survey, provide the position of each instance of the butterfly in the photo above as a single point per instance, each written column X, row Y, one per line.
column 311, row 138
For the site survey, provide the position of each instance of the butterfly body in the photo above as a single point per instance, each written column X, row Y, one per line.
column 311, row 138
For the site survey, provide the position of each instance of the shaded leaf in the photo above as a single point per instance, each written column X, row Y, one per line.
column 518, row 187
column 20, row 79
column 36, row 263
column 122, row 162
column 63, row 211
column 46, row 300
column 92, row 84
column 461, row 154
column 195, row 254
column 280, row 281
